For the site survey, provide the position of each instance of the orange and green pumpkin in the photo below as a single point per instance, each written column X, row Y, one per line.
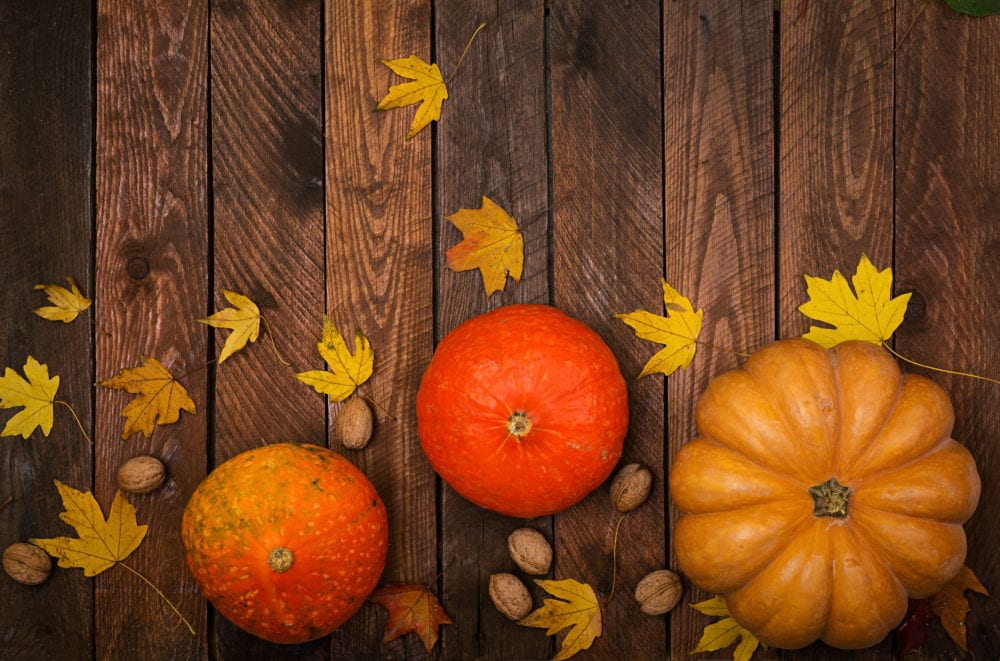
column 823, row 491
column 286, row 540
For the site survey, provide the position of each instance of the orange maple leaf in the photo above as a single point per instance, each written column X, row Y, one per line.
column 951, row 605
column 492, row 243
column 412, row 607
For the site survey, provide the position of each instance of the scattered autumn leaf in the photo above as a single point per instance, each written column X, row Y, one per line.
column 413, row 608
column 427, row 87
column 912, row 633
column 67, row 304
column 36, row 394
column 678, row 331
column 724, row 632
column 347, row 371
column 951, row 605
column 576, row 607
column 243, row 320
column 872, row 314
column 161, row 397
column 492, row 243
column 100, row 543
column 975, row 7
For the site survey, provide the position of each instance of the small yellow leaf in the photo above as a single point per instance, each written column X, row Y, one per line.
column 723, row 633
column 347, row 371
column 161, row 397
column 492, row 243
column 427, row 88
column 678, row 332
column 952, row 606
column 36, row 394
column 243, row 320
column 869, row 313
column 101, row 542
column 67, row 304
column 577, row 607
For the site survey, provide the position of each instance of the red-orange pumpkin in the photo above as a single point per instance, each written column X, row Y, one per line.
column 286, row 540
column 523, row 410
column 823, row 491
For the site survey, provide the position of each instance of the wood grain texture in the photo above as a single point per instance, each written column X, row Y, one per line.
column 719, row 190
column 948, row 249
column 835, row 144
column 607, row 196
column 380, row 279
column 152, row 273
column 267, row 183
column 491, row 142
column 46, row 221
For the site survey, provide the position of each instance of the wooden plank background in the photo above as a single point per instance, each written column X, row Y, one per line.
column 162, row 152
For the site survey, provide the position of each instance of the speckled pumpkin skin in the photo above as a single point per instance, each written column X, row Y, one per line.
column 538, row 361
column 794, row 416
column 304, row 498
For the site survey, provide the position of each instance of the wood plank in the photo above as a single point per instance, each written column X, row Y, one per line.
column 267, row 184
column 948, row 252
column 491, row 141
column 152, row 237
column 835, row 165
column 46, row 221
column 607, row 197
column 380, row 280
column 835, row 144
column 719, row 190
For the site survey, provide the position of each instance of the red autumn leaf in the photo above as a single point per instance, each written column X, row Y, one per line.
column 912, row 633
column 951, row 605
column 411, row 607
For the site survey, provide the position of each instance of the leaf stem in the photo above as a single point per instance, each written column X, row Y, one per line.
column 614, row 562
column 270, row 336
column 94, row 323
column 4, row 504
column 906, row 34
column 77, row 418
column 371, row 401
column 162, row 596
column 466, row 50
column 939, row 369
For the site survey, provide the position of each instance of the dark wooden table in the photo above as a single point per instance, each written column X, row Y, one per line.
column 160, row 152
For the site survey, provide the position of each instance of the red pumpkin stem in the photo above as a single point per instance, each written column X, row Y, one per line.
column 280, row 559
column 518, row 424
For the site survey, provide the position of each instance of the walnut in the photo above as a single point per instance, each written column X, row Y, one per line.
column 658, row 592
column 630, row 487
column 26, row 563
column 530, row 551
column 510, row 596
column 141, row 474
column 353, row 425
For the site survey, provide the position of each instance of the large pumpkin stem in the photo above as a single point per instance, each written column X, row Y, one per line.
column 280, row 559
column 830, row 499
column 518, row 424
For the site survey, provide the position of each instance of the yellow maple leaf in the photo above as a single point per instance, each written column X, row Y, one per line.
column 492, row 243
column 67, row 304
column 951, row 605
column 678, row 332
column 724, row 632
column 101, row 542
column 243, row 320
column 871, row 314
column 36, row 394
column 427, row 88
column 577, row 607
column 161, row 397
column 347, row 371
